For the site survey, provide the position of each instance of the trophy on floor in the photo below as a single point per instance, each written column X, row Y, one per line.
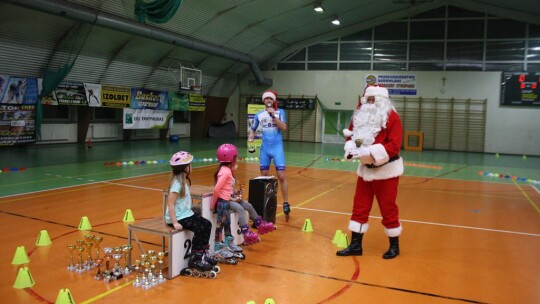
column 97, row 241
column 160, row 277
column 89, row 261
column 147, row 283
column 71, row 266
column 117, row 255
column 99, row 274
column 80, row 266
column 126, row 249
column 137, row 282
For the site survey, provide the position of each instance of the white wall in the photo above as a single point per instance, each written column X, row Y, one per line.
column 58, row 133
column 508, row 130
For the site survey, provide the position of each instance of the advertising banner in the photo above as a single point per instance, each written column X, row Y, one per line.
column 70, row 94
column 253, row 109
column 17, row 124
column 115, row 97
column 142, row 98
column 197, row 103
column 178, row 102
column 146, row 119
column 18, row 90
column 93, row 94
column 395, row 83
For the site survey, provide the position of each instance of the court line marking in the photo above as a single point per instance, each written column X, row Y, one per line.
column 428, row 223
column 527, row 197
column 315, row 197
column 101, row 295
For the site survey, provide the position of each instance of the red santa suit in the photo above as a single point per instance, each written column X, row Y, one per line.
column 375, row 136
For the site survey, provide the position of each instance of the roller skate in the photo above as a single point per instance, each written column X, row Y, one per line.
column 199, row 267
column 236, row 250
column 286, row 210
column 262, row 226
column 223, row 254
column 250, row 237
column 211, row 260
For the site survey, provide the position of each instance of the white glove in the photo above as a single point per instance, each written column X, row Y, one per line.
column 360, row 152
column 349, row 147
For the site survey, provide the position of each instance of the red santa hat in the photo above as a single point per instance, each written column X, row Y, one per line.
column 376, row 91
column 269, row 94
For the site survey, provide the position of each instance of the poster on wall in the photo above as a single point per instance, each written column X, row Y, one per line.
column 18, row 90
column 115, row 97
column 290, row 102
column 93, row 94
column 178, row 102
column 197, row 103
column 397, row 84
column 17, row 124
column 70, row 94
column 142, row 98
column 253, row 109
column 146, row 119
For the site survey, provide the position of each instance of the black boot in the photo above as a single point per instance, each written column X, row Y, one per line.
column 355, row 248
column 393, row 251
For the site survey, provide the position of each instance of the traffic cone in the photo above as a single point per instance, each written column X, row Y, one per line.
column 337, row 235
column 128, row 216
column 307, row 226
column 20, row 256
column 497, row 155
column 343, row 241
column 250, row 302
column 24, row 279
column 64, row 297
column 524, row 157
column 43, row 238
column 269, row 301
column 85, row 224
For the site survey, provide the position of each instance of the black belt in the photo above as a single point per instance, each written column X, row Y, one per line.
column 393, row 158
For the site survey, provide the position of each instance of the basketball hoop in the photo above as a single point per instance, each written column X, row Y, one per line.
column 195, row 88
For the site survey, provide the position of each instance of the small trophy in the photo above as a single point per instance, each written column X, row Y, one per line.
column 160, row 256
column 126, row 249
column 71, row 266
column 80, row 266
column 97, row 241
column 358, row 142
column 137, row 282
column 146, row 277
column 89, row 261
column 99, row 274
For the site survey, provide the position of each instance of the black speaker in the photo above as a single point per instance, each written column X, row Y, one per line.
column 263, row 197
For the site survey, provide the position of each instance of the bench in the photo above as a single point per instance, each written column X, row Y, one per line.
column 178, row 242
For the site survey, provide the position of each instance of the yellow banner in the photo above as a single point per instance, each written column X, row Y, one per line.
column 115, row 97
column 251, row 111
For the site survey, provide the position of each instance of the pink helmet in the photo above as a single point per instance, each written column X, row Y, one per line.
column 227, row 153
column 181, row 158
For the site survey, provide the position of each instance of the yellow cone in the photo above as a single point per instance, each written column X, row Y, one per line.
column 343, row 241
column 20, row 256
column 307, row 226
column 128, row 216
column 85, row 224
column 24, row 279
column 269, row 301
column 250, row 302
column 43, row 238
column 524, row 156
column 497, row 155
column 64, row 297
column 337, row 235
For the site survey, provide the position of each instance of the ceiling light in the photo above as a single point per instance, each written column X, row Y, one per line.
column 335, row 21
column 318, row 8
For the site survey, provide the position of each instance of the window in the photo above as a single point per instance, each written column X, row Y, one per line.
column 427, row 51
column 56, row 114
column 355, row 51
column 323, row 52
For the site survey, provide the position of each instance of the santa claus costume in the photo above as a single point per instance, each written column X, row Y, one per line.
column 374, row 136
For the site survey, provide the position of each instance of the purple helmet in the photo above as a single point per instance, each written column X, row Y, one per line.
column 227, row 153
column 181, row 158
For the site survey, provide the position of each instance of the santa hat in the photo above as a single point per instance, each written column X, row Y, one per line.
column 376, row 91
column 269, row 94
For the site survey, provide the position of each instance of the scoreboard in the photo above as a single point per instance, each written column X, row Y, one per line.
column 520, row 89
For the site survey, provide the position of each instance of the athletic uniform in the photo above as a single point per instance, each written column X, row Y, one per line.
column 272, row 140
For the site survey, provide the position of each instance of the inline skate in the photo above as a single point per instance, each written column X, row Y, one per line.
column 198, row 267
column 223, row 254
column 286, row 210
column 211, row 260
column 237, row 251
column 250, row 237
column 263, row 226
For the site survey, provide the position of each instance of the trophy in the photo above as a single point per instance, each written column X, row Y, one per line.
column 99, row 274
column 358, row 142
column 147, row 281
column 97, row 241
column 89, row 261
column 126, row 249
column 137, row 282
column 153, row 261
column 160, row 256
column 107, row 257
column 80, row 266
column 71, row 266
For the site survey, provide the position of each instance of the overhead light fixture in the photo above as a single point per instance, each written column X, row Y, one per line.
column 318, row 7
column 335, row 21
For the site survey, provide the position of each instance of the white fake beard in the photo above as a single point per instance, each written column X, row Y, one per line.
column 370, row 119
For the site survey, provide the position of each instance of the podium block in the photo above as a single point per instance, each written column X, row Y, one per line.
column 263, row 196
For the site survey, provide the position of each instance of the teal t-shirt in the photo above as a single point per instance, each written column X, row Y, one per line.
column 182, row 206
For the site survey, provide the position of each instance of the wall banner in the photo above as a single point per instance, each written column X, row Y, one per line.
column 70, row 93
column 93, row 94
column 17, row 124
column 142, row 98
column 146, row 119
column 115, row 97
column 18, row 90
column 178, row 102
column 396, row 84
column 197, row 103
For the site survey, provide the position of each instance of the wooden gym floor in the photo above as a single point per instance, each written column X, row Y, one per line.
column 468, row 237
